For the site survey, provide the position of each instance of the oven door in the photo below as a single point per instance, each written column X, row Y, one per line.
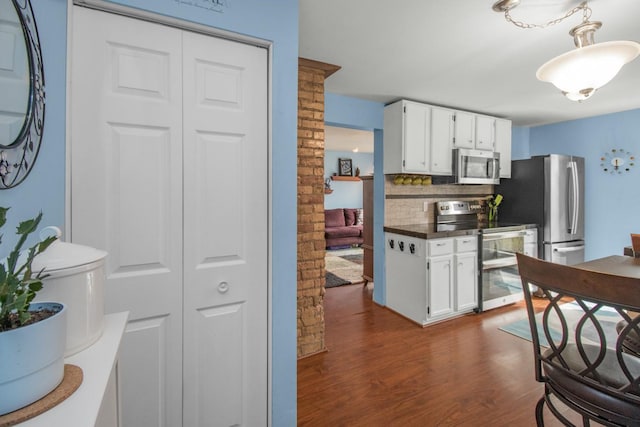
column 500, row 284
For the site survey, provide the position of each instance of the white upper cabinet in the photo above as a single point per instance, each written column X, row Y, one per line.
column 474, row 131
column 503, row 146
column 442, row 129
column 419, row 138
column 485, row 133
column 407, row 137
column 465, row 131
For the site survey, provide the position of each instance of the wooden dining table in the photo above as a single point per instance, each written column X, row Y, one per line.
column 615, row 264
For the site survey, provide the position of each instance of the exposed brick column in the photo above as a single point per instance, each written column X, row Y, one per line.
column 311, row 243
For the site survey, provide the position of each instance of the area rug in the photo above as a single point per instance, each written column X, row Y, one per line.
column 607, row 317
column 333, row 281
column 343, row 267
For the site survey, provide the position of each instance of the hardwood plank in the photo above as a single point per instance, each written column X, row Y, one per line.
column 383, row 370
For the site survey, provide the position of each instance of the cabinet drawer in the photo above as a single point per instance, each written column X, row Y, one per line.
column 466, row 244
column 440, row 247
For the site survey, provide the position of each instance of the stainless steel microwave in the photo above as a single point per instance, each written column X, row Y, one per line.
column 476, row 166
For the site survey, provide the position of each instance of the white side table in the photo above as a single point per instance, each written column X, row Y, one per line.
column 95, row 402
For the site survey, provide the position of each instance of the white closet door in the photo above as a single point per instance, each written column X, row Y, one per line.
column 126, row 195
column 225, row 233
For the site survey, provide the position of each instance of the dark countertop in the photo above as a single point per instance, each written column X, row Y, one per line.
column 431, row 231
column 427, row 231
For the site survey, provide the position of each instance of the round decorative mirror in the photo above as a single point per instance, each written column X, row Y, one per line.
column 22, row 89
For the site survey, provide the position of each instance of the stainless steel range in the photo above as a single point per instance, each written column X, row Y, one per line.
column 499, row 282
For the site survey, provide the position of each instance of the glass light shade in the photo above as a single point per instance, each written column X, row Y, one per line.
column 578, row 73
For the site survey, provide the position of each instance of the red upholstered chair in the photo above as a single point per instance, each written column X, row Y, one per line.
column 582, row 361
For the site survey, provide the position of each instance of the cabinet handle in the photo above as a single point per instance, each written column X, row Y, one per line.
column 440, row 244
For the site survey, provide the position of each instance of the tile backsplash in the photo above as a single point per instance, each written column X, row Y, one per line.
column 404, row 204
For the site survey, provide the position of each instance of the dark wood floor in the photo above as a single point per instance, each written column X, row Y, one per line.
column 383, row 370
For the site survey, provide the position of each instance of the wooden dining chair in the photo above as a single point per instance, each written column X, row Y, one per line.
column 582, row 359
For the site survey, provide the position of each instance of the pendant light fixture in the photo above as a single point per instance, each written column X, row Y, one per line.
column 579, row 72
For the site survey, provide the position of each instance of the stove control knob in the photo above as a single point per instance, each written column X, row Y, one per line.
column 412, row 248
column 392, row 244
column 401, row 246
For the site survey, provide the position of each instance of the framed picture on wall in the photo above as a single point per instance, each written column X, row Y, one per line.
column 345, row 167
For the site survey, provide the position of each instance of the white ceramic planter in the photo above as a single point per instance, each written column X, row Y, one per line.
column 75, row 277
column 32, row 359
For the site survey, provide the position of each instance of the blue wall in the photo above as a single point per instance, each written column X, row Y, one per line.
column 365, row 115
column 520, row 143
column 346, row 194
column 44, row 189
column 612, row 202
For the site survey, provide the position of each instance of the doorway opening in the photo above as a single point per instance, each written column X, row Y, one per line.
column 348, row 165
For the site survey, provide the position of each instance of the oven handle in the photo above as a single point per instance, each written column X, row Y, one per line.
column 501, row 235
column 499, row 263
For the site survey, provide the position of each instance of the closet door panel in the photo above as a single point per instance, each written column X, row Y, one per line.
column 225, row 234
column 126, row 195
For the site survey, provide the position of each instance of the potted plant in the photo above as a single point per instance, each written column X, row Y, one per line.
column 493, row 203
column 32, row 335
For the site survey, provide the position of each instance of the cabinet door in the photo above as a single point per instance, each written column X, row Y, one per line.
column 464, row 130
column 485, row 133
column 531, row 249
column 503, row 146
column 441, row 141
column 531, row 243
column 417, row 124
column 466, row 265
column 440, row 301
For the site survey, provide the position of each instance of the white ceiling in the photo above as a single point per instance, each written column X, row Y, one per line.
column 462, row 54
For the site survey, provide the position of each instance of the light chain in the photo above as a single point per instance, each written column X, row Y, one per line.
column 582, row 6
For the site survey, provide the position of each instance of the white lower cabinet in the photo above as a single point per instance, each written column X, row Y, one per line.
column 466, row 273
column 431, row 280
column 531, row 242
column 440, row 287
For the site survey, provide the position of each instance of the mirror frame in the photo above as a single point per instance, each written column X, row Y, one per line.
column 17, row 158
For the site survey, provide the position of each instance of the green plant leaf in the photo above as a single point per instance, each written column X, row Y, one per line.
column 3, row 215
column 42, row 246
column 18, row 286
column 29, row 226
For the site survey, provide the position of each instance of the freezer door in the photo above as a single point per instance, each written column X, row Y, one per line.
column 568, row 253
column 564, row 198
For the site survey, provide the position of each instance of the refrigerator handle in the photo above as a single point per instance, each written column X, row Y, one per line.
column 569, row 249
column 575, row 196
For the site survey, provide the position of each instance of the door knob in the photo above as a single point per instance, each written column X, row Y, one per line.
column 223, row 287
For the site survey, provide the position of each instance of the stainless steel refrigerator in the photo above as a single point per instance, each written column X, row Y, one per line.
column 548, row 191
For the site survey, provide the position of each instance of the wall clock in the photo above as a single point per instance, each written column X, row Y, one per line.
column 616, row 161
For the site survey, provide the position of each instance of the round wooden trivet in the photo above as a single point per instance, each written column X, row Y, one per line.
column 70, row 383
